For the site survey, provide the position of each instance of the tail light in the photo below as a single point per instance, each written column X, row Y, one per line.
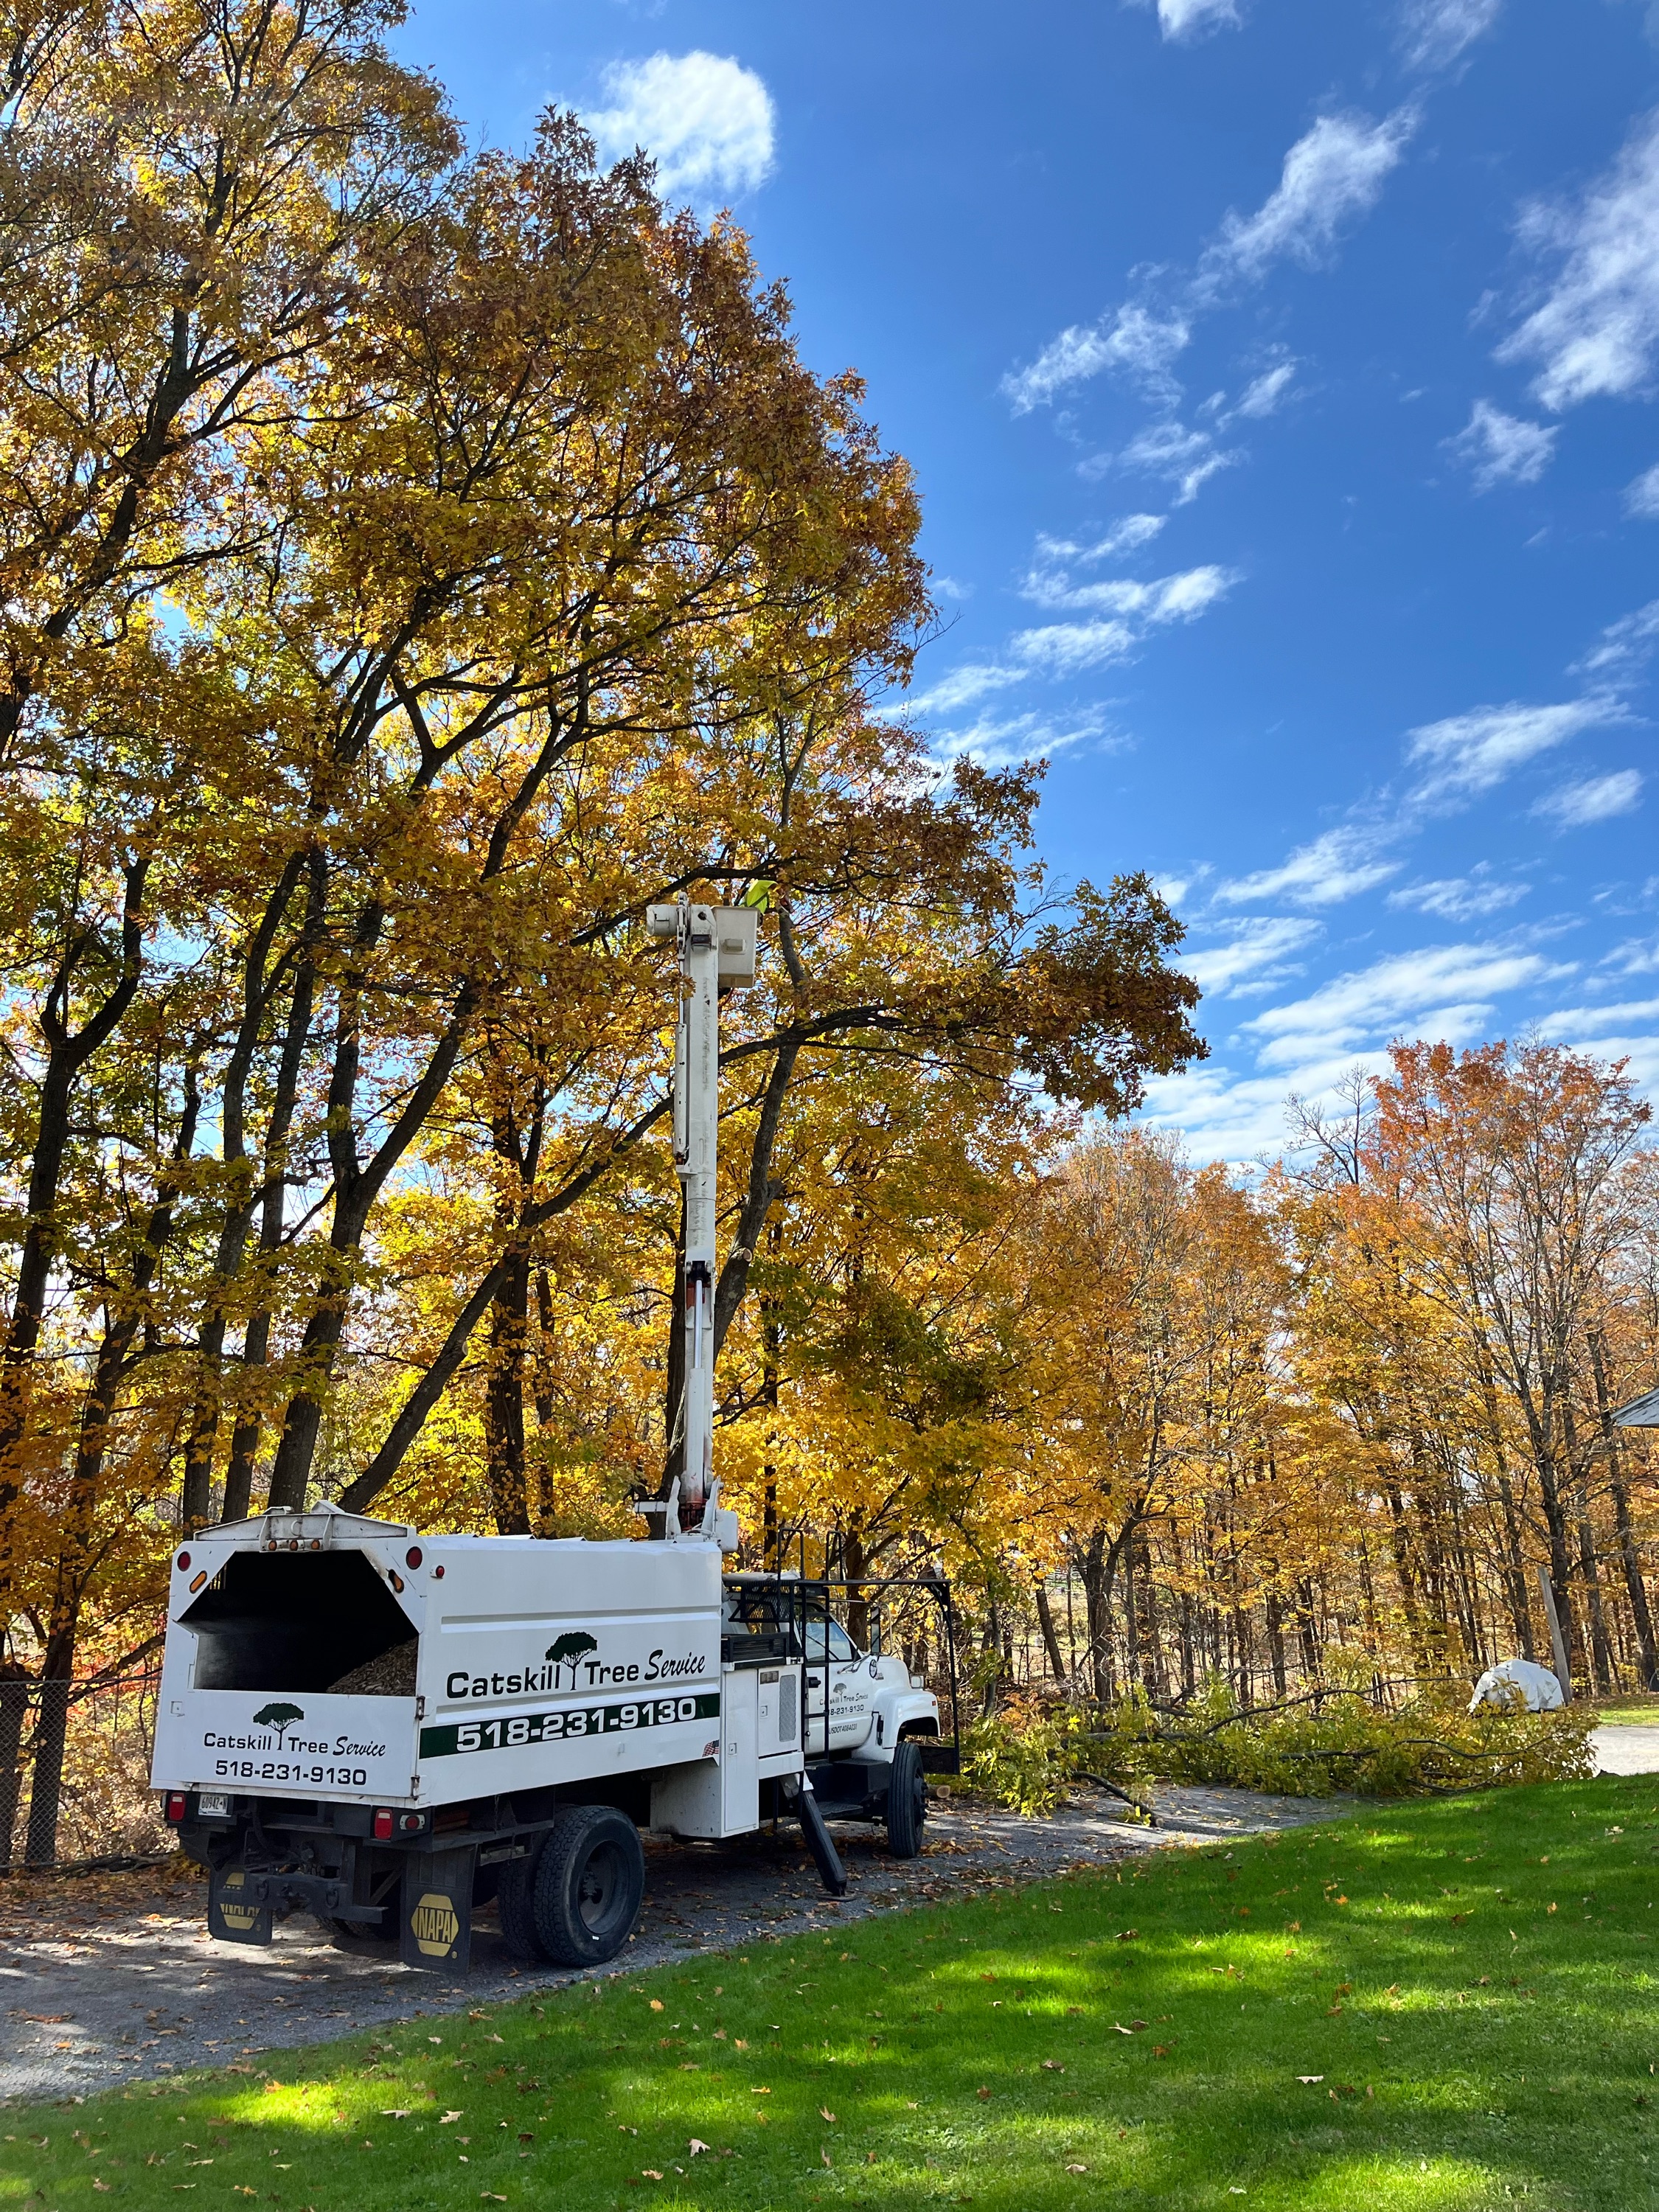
column 383, row 1818
column 178, row 1805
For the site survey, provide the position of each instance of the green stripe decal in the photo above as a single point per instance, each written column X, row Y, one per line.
column 570, row 1724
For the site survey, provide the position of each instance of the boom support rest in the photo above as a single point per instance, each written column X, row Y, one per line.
column 805, row 1806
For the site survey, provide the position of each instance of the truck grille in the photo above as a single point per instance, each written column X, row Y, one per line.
column 788, row 1706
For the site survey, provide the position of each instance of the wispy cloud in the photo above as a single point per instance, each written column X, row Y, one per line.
column 707, row 121
column 1642, row 497
column 1186, row 458
column 1135, row 341
column 1258, row 952
column 1500, row 448
column 1337, row 865
column 1333, row 173
column 1623, row 649
column 1190, row 18
column 1441, row 991
column 1003, row 742
column 1436, row 31
column 1594, row 332
column 1177, row 598
column 1466, row 755
column 1126, row 535
column 1597, row 799
column 1460, row 898
column 1261, row 397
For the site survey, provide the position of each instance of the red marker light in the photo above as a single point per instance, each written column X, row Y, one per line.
column 413, row 1556
column 412, row 1823
column 184, row 1562
column 437, row 1574
column 383, row 1819
column 177, row 1804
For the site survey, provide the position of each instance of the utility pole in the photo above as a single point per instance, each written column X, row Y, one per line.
column 715, row 945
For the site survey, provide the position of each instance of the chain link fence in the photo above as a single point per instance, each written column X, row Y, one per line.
column 75, row 1760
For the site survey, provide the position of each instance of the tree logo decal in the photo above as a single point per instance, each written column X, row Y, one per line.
column 277, row 1716
column 568, row 1650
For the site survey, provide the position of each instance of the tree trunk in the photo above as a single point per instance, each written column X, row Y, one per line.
column 509, row 1321
column 1630, row 1558
column 1050, row 1638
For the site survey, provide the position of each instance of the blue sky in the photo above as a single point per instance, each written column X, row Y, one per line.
column 1280, row 377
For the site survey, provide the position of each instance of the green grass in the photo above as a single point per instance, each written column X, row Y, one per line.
column 1473, row 1981
column 1629, row 1712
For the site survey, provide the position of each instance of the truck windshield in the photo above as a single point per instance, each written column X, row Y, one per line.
column 841, row 1647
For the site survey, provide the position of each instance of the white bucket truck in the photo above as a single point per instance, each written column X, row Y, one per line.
column 384, row 1728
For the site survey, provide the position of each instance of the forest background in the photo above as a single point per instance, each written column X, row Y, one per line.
column 416, row 562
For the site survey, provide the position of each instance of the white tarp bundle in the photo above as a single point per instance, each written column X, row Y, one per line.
column 1519, row 1682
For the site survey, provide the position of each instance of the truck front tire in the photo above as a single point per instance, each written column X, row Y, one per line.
column 906, row 1800
column 589, row 1885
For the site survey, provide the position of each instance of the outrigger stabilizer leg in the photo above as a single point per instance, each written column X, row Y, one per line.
column 819, row 1841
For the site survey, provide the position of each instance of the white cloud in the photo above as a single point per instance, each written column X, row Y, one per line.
column 1460, row 898
column 1258, row 950
column 963, row 687
column 1572, row 1022
column 1597, row 799
column 1594, row 333
column 1126, row 535
column 1437, row 31
column 1188, row 19
column 1179, row 598
column 1262, row 397
column 1625, row 648
column 1642, row 497
column 1337, row 865
column 1126, row 611
column 1444, row 991
column 1186, row 458
column 1502, row 448
column 1335, row 171
column 1468, row 754
column 1136, row 341
column 1224, row 1116
column 707, row 121
column 1006, row 742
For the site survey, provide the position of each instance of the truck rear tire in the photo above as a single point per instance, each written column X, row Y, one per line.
column 906, row 1800
column 515, row 1894
column 588, row 1887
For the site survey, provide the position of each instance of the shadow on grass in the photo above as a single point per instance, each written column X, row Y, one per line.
column 1447, row 2006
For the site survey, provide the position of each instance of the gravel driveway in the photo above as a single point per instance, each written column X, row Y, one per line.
column 113, row 1980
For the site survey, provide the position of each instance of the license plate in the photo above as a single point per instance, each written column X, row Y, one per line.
column 213, row 1805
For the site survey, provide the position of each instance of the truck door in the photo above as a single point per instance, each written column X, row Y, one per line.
column 850, row 1691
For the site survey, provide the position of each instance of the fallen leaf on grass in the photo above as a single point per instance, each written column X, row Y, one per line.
column 394, row 2111
column 1309, row 2079
column 656, row 2006
column 1077, row 2169
column 1052, row 2066
column 449, row 2117
column 984, row 2092
column 1127, row 1935
column 696, row 2145
column 824, row 2113
column 102, row 2187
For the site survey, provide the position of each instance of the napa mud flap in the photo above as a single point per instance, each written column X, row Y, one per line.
column 435, row 1920
column 237, row 1910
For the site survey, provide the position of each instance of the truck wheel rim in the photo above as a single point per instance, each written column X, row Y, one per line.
column 597, row 1888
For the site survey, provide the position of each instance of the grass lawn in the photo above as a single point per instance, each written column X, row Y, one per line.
column 1626, row 1712
column 1470, row 1984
